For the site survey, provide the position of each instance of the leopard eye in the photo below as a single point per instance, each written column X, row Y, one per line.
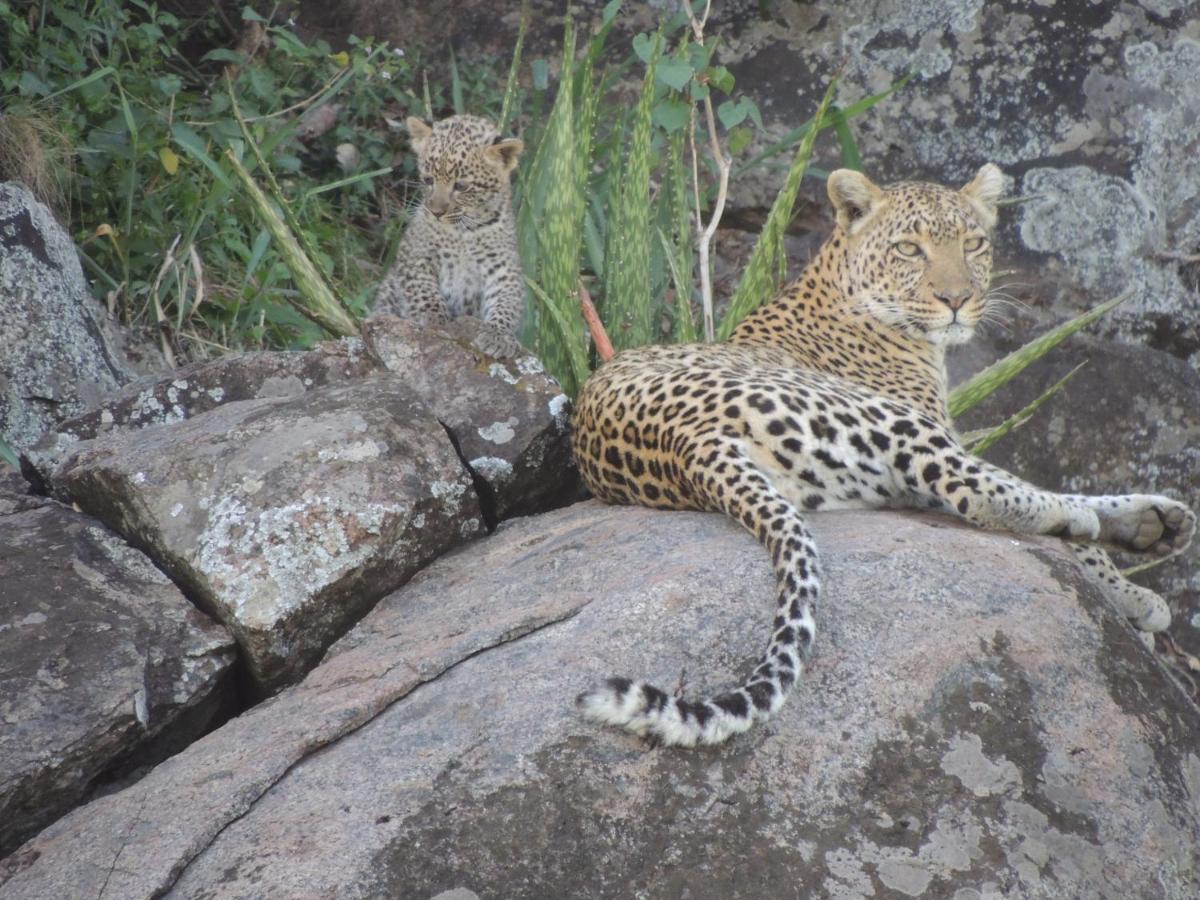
column 973, row 244
column 427, row 179
column 460, row 186
column 907, row 248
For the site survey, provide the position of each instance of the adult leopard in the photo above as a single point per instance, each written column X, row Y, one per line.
column 833, row 396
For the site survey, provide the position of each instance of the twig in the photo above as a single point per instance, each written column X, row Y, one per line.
column 704, row 234
column 604, row 347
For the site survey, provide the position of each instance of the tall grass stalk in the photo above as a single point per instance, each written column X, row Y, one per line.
column 316, row 301
column 758, row 283
column 627, row 310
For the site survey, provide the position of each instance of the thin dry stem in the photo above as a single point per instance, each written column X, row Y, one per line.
column 705, row 233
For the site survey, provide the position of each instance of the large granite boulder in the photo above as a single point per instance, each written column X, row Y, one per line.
column 287, row 492
column 1128, row 421
column 976, row 722
column 104, row 666
column 60, row 354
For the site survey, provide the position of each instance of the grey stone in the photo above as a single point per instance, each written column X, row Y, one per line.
column 285, row 517
column 197, row 388
column 1128, row 421
column 507, row 418
column 104, row 666
column 57, row 358
column 975, row 722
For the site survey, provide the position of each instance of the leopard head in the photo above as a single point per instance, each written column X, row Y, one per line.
column 918, row 256
column 465, row 166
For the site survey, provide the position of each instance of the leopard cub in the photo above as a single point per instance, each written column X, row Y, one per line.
column 458, row 256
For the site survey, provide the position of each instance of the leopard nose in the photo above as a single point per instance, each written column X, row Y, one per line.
column 954, row 298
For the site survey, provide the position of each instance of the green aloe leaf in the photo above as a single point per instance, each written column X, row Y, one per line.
column 758, row 282
column 1019, row 418
column 999, row 373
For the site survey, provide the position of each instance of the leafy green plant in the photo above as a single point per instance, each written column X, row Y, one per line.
column 168, row 235
column 612, row 190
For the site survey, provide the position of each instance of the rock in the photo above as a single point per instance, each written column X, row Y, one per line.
column 104, row 665
column 976, row 719
column 199, row 387
column 58, row 357
column 284, row 517
column 287, row 492
column 507, row 418
column 1128, row 421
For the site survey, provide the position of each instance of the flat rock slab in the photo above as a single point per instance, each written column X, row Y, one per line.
column 197, row 388
column 103, row 663
column 284, row 517
column 975, row 719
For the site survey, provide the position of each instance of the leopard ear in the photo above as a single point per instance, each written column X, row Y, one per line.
column 984, row 190
column 504, row 153
column 854, row 197
column 418, row 132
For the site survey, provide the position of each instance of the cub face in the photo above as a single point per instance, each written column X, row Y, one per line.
column 919, row 255
column 464, row 165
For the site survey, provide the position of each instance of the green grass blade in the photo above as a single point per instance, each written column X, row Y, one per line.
column 316, row 301
column 685, row 325
column 627, row 311
column 102, row 72
column 511, row 86
column 1002, row 371
column 456, row 90
column 8, row 454
column 758, row 281
column 344, row 182
column 789, row 139
column 851, row 158
column 559, row 229
column 1024, row 415
column 567, row 328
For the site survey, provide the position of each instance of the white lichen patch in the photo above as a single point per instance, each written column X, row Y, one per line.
column 493, row 468
column 447, row 491
column 499, row 432
column 216, row 394
column 176, row 510
column 978, row 774
column 499, row 370
column 264, row 564
column 559, row 407
column 360, row 451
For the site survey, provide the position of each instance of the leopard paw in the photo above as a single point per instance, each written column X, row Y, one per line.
column 493, row 342
column 1145, row 523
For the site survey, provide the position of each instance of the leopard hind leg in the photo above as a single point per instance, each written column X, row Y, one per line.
column 746, row 494
column 1145, row 609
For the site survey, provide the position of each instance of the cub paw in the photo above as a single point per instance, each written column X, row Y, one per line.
column 495, row 343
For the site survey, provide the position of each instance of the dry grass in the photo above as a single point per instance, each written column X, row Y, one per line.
column 36, row 154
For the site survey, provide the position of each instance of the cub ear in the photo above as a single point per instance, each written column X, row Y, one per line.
column 984, row 190
column 504, row 153
column 418, row 132
column 854, row 198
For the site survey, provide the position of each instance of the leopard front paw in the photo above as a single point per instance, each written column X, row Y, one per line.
column 1146, row 523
